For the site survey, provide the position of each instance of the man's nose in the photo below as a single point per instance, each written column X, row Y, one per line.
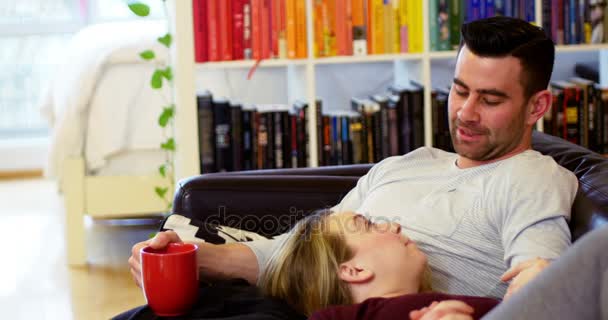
column 468, row 112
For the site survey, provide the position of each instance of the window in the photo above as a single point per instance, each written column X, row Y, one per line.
column 32, row 35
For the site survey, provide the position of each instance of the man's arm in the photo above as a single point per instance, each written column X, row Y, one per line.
column 534, row 227
column 227, row 261
column 523, row 273
column 224, row 261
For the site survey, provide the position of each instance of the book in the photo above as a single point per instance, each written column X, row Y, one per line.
column 415, row 32
column 393, row 124
column 357, row 142
column 382, row 123
column 223, row 135
column 571, row 108
column 199, row 22
column 206, row 132
column 301, row 43
column 225, row 29
column 248, row 139
column 359, row 27
column 256, row 28
column 238, row 29
column 213, row 38
column 236, row 133
column 443, row 26
column 247, row 31
column 290, row 14
column 403, row 27
column 455, row 20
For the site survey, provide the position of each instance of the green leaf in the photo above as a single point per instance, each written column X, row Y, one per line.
column 167, row 115
column 161, row 192
column 168, row 73
column 140, row 9
column 152, row 235
column 157, row 79
column 169, row 145
column 166, row 40
column 162, row 170
column 147, row 55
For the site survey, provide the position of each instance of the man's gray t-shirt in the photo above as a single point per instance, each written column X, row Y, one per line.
column 474, row 223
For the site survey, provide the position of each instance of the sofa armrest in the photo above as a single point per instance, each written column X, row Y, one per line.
column 266, row 204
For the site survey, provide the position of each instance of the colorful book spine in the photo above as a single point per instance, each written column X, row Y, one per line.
column 225, row 30
column 490, row 9
column 403, row 27
column 359, row 29
column 247, row 31
column 281, row 12
column 266, row 27
column 348, row 27
column 213, row 29
column 433, row 25
column 456, row 20
column 414, row 14
column 474, row 10
column 199, row 20
column 376, row 14
column 256, row 29
column 443, row 26
column 301, row 44
column 291, row 28
column 238, row 22
column 318, row 16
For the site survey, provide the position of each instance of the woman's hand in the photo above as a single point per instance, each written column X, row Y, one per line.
column 160, row 241
column 444, row 310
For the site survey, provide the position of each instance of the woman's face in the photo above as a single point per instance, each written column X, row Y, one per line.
column 394, row 259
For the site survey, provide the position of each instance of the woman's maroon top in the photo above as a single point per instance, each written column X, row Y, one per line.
column 400, row 307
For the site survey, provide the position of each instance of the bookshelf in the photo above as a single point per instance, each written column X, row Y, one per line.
column 305, row 78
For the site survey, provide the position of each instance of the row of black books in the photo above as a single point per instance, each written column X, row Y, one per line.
column 578, row 113
column 234, row 137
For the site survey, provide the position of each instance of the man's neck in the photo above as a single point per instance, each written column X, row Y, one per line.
column 466, row 163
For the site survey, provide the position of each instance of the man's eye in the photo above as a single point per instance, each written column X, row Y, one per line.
column 491, row 102
column 461, row 93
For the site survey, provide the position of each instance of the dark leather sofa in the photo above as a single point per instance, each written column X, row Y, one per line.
column 270, row 201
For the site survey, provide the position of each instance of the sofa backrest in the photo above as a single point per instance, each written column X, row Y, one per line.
column 260, row 194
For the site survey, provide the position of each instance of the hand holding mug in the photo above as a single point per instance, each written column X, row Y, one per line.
column 169, row 277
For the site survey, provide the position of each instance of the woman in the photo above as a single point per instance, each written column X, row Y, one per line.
column 343, row 258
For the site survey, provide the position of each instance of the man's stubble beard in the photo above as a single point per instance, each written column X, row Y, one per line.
column 490, row 150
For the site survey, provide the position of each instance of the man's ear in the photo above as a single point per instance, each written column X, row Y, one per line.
column 353, row 273
column 539, row 104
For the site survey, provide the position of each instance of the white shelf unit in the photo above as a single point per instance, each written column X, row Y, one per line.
column 299, row 79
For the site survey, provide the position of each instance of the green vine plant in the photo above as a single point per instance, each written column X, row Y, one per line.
column 162, row 75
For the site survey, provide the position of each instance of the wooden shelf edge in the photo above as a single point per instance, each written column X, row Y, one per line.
column 581, row 47
column 244, row 64
column 368, row 58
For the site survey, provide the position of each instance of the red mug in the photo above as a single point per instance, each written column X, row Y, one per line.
column 170, row 278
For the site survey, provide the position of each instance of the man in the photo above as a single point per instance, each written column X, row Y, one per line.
column 494, row 205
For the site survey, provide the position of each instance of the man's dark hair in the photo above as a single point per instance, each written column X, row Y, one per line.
column 504, row 36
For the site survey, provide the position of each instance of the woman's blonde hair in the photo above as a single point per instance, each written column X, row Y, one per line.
column 303, row 271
